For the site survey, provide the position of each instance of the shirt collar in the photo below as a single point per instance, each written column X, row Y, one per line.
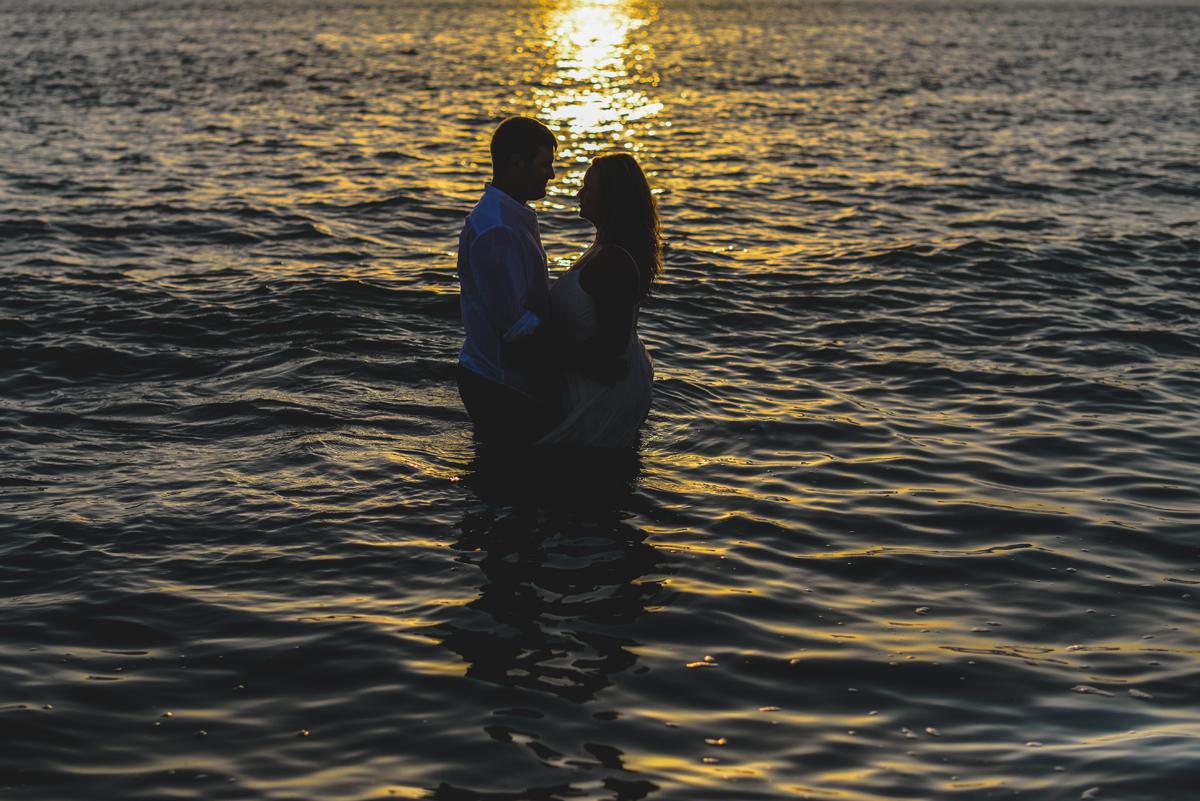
column 503, row 198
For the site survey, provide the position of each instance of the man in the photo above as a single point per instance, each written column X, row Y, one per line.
column 505, row 291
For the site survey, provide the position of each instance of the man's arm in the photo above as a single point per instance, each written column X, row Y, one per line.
column 496, row 259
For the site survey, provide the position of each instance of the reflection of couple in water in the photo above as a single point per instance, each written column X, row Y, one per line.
column 557, row 364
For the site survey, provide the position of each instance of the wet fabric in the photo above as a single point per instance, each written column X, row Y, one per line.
column 597, row 415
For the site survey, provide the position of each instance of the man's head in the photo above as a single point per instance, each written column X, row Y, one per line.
column 522, row 158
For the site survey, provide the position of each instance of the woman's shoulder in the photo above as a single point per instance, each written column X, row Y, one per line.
column 611, row 258
column 609, row 264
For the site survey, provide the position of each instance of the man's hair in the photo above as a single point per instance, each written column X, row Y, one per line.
column 522, row 136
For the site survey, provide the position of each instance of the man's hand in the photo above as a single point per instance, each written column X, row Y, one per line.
column 590, row 360
column 530, row 350
column 606, row 370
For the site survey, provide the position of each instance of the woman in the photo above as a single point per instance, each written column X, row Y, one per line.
column 595, row 305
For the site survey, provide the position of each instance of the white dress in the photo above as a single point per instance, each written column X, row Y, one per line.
column 596, row 415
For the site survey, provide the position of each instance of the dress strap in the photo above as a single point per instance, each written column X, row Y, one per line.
column 630, row 255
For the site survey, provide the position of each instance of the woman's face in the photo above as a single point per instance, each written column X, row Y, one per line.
column 589, row 198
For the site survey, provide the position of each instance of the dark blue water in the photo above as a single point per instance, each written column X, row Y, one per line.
column 915, row 512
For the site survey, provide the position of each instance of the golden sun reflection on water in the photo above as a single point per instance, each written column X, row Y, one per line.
column 592, row 87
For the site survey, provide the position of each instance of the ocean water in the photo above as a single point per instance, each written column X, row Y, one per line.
column 915, row 513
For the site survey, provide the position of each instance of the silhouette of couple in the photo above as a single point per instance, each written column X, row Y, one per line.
column 561, row 363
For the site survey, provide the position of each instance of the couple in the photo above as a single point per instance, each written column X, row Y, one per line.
column 557, row 364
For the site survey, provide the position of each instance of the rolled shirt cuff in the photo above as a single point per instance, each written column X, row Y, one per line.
column 522, row 327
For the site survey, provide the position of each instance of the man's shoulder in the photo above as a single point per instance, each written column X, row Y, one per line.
column 491, row 220
column 486, row 215
column 489, row 230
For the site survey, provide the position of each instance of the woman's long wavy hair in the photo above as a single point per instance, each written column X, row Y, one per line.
column 629, row 215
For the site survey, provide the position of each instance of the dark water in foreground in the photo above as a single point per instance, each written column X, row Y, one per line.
column 915, row 513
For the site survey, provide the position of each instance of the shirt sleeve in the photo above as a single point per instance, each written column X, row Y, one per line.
column 497, row 265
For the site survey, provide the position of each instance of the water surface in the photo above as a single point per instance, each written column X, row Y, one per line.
column 914, row 512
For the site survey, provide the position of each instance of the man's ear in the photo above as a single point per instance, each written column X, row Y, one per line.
column 515, row 165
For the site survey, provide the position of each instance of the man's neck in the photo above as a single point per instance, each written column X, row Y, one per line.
column 509, row 189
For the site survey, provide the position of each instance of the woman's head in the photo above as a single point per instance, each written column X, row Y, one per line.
column 616, row 198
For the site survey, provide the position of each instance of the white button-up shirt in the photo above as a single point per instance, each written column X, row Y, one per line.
column 504, row 286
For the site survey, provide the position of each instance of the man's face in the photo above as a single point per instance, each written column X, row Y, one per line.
column 538, row 173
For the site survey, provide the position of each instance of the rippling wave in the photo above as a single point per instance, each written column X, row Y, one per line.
column 913, row 514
